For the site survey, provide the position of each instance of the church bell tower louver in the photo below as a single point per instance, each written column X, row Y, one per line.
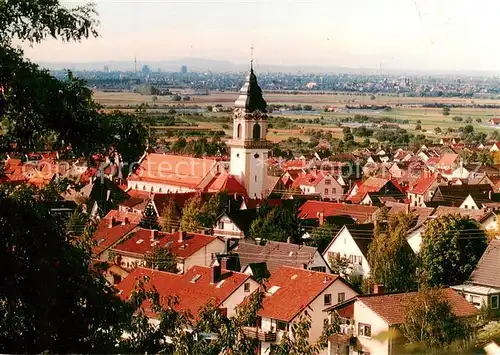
column 249, row 147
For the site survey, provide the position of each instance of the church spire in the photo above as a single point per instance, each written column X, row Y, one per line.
column 251, row 98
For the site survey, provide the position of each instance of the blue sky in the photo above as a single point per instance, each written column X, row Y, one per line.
column 399, row 34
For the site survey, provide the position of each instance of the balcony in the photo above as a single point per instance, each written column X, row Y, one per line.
column 228, row 234
column 259, row 334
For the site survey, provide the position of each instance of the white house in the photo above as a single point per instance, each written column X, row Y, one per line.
column 234, row 224
column 366, row 317
column 292, row 293
column 352, row 242
column 484, row 284
column 320, row 183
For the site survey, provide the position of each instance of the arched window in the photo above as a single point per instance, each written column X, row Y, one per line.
column 238, row 131
column 256, row 132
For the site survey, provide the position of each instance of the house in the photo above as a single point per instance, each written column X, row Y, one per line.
column 495, row 121
column 423, row 190
column 109, row 233
column 172, row 173
column 316, row 209
column 320, row 183
column 234, row 224
column 374, row 184
column 495, row 147
column 364, row 317
column 197, row 287
column 468, row 196
column 483, row 286
column 189, row 248
column 352, row 242
column 292, row 293
column 276, row 254
column 448, row 162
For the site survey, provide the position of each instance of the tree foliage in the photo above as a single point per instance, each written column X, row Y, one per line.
column 169, row 217
column 161, row 258
column 276, row 223
column 190, row 220
column 392, row 261
column 451, row 247
column 149, row 218
column 429, row 322
column 322, row 236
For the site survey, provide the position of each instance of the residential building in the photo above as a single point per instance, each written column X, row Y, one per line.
column 468, row 196
column 109, row 233
column 364, row 317
column 292, row 293
column 320, row 183
column 483, row 287
column 234, row 224
column 352, row 242
column 275, row 254
column 423, row 190
column 189, row 248
column 374, row 184
column 198, row 286
column 320, row 209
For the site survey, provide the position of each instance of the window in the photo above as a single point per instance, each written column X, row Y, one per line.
column 334, row 191
column 255, row 178
column 341, row 297
column 246, row 286
column 475, row 300
column 281, row 325
column 365, row 329
column 327, row 298
column 256, row 132
column 328, row 182
column 494, row 301
column 238, row 132
column 326, row 191
column 221, row 225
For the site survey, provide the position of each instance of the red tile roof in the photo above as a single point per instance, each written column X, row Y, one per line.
column 372, row 184
column 141, row 243
column 447, row 160
column 224, row 182
column 192, row 290
column 106, row 236
column 297, row 289
column 423, row 185
column 174, row 169
column 122, row 217
column 360, row 213
column 311, row 179
column 391, row 307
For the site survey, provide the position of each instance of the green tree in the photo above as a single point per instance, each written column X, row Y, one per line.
column 296, row 340
column 161, row 258
column 277, row 223
column 485, row 157
column 149, row 218
column 190, row 220
column 437, row 130
column 322, row 236
column 446, row 111
column 392, row 261
column 51, row 299
column 169, row 218
column 418, row 127
column 451, row 247
column 211, row 210
column 429, row 322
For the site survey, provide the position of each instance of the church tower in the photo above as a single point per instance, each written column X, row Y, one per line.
column 249, row 147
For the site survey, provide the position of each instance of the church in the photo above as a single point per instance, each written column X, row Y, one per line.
column 247, row 173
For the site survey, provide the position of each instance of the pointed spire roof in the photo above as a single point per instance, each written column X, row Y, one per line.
column 251, row 98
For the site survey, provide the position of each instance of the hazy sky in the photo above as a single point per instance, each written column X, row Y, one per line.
column 400, row 34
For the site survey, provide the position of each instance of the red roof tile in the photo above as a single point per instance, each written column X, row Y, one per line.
column 174, row 169
column 224, row 182
column 141, row 243
column 423, row 185
column 360, row 213
column 107, row 236
column 391, row 307
column 311, row 179
column 297, row 289
column 194, row 289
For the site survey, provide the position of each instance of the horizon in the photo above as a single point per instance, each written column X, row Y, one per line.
column 403, row 35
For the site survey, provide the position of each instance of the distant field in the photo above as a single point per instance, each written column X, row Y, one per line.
column 430, row 117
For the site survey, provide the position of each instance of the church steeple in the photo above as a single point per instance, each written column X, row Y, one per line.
column 251, row 98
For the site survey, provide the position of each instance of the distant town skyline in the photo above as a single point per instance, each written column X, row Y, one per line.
column 392, row 34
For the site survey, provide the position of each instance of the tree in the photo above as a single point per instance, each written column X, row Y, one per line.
column 322, row 236
column 437, row 130
column 169, row 217
column 429, row 322
column 149, row 218
column 161, row 258
column 211, row 210
column 485, row 157
column 446, row 111
column 392, row 261
column 51, row 298
column 296, row 340
column 418, row 127
column 277, row 223
column 190, row 220
column 451, row 247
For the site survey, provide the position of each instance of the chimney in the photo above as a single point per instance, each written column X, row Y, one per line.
column 321, row 218
column 173, row 230
column 378, row 288
column 125, row 221
column 112, row 222
column 223, row 263
column 215, row 272
column 289, row 240
column 154, row 234
column 227, row 245
column 182, row 236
